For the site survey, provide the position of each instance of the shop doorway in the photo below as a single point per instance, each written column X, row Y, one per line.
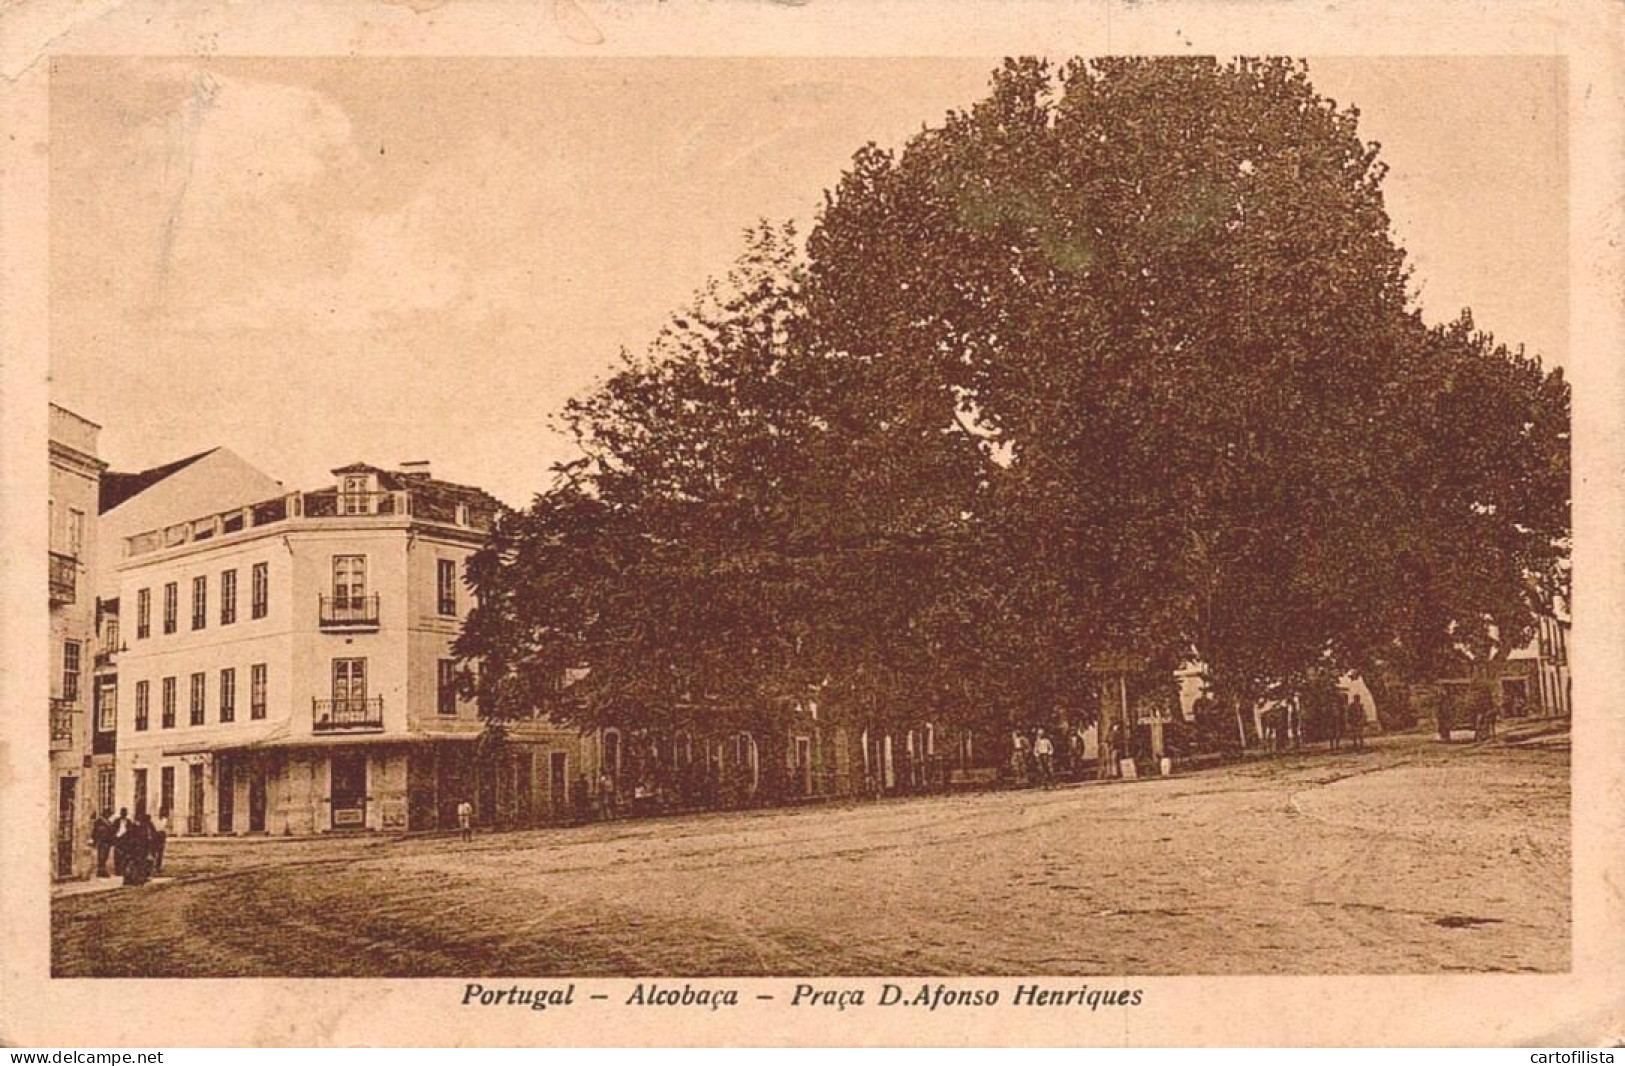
column 348, row 791
column 67, row 802
column 226, row 801
column 256, row 800
column 558, row 785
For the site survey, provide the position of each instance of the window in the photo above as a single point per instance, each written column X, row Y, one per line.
column 168, row 721
column 105, row 799
column 199, row 691
column 70, row 671
column 140, row 792
column 260, row 590
column 166, row 791
column 228, row 694
column 349, row 581
column 107, row 707
column 448, row 686
column 448, row 586
column 349, row 681
column 143, row 614
column 200, row 601
column 172, row 596
column 354, row 500
column 76, row 531
column 228, row 597
column 110, row 633
column 256, row 691
column 143, row 701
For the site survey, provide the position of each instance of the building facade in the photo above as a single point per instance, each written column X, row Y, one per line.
column 75, row 479
column 289, row 668
column 129, row 503
column 1536, row 679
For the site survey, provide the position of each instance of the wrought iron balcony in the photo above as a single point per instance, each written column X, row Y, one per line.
column 62, row 712
column 348, row 715
column 349, row 612
column 64, row 578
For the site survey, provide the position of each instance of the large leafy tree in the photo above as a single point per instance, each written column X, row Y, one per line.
column 1168, row 292
column 750, row 524
column 1120, row 358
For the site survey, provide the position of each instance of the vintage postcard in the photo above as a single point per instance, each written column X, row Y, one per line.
column 1065, row 523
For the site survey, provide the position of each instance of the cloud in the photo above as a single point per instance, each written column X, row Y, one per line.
column 381, row 267
column 261, row 227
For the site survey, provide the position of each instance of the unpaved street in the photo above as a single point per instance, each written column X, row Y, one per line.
column 1410, row 858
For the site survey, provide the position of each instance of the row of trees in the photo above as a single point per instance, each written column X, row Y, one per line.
column 1121, row 359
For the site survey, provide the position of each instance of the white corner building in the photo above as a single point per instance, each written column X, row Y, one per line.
column 287, row 663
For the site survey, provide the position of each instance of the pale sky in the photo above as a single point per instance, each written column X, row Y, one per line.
column 318, row 261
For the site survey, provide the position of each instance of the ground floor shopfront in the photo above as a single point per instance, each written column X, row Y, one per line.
column 538, row 775
column 396, row 785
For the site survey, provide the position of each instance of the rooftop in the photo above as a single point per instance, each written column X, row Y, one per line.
column 362, row 493
column 118, row 486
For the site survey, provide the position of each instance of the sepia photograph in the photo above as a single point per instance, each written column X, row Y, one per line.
column 1056, row 514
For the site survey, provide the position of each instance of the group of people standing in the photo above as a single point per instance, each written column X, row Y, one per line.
column 1350, row 726
column 1037, row 760
column 1337, row 719
column 136, row 845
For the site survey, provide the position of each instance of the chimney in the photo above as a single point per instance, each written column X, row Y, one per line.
column 415, row 468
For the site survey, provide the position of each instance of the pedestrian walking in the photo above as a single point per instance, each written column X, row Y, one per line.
column 1044, row 753
column 121, row 829
column 1111, row 750
column 136, row 842
column 1018, row 757
column 1355, row 715
column 160, row 837
column 1338, row 716
column 101, row 838
column 465, row 819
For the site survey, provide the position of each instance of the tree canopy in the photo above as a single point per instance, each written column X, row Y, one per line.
column 1120, row 358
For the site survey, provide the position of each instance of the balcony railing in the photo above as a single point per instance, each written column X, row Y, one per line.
column 64, row 578
column 348, row 715
column 62, row 712
column 413, row 503
column 349, row 612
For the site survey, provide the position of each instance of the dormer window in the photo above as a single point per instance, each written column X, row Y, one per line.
column 354, row 494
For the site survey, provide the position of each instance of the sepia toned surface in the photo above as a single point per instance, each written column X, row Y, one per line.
column 937, row 917
column 1296, row 867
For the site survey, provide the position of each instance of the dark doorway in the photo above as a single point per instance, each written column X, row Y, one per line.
column 226, row 802
column 558, row 785
column 349, row 791
column 804, row 767
column 485, row 808
column 524, row 769
column 420, row 788
column 454, row 776
column 1515, row 696
column 256, row 800
column 194, row 798
column 67, row 803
